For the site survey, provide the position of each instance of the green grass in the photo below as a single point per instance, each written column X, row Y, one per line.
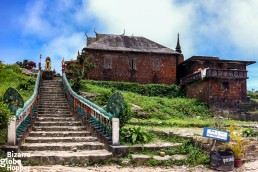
column 195, row 156
column 164, row 112
column 10, row 75
column 154, row 107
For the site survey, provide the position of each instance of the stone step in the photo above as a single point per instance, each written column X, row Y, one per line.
column 51, row 89
column 53, row 105
column 53, row 108
column 59, row 146
column 55, row 119
column 52, row 95
column 51, row 92
column 66, row 157
column 59, row 128
column 57, row 111
column 60, row 139
column 57, row 123
column 45, row 100
column 59, row 134
column 50, row 102
column 64, row 115
column 62, row 98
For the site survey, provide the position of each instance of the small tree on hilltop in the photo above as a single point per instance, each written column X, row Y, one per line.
column 81, row 68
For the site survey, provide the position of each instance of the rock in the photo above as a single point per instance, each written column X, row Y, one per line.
column 179, row 157
column 140, row 159
column 136, row 108
column 162, row 154
column 125, row 162
column 88, row 95
column 159, row 158
column 74, row 149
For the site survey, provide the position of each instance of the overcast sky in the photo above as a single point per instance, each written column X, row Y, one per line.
column 224, row 28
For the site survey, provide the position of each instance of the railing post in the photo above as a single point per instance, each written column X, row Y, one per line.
column 12, row 132
column 115, row 131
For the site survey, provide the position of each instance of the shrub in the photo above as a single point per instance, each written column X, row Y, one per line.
column 134, row 135
column 237, row 144
column 5, row 115
column 27, row 84
column 249, row 132
column 125, row 115
column 160, row 90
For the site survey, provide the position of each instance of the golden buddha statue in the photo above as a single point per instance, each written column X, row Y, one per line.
column 48, row 63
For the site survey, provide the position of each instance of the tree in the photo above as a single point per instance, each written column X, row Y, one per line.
column 86, row 60
column 84, row 64
column 26, row 64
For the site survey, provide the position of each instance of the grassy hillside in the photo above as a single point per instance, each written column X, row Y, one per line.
column 162, row 111
column 153, row 107
column 10, row 75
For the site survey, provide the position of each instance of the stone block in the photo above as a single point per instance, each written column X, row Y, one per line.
column 140, row 159
column 160, row 158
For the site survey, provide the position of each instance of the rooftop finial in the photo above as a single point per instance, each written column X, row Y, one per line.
column 178, row 47
column 86, row 35
column 123, row 33
column 95, row 31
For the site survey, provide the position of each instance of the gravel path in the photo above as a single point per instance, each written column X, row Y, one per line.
column 249, row 166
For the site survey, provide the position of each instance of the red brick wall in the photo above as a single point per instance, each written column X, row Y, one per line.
column 227, row 98
column 144, row 73
column 210, row 90
column 199, row 90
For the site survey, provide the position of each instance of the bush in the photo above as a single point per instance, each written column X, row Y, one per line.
column 125, row 115
column 249, row 132
column 5, row 115
column 27, row 84
column 134, row 135
column 160, row 90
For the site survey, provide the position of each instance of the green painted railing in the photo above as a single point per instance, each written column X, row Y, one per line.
column 98, row 117
column 25, row 114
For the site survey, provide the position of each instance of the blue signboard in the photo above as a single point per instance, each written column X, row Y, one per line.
column 216, row 134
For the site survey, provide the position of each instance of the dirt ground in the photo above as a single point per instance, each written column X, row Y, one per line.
column 249, row 166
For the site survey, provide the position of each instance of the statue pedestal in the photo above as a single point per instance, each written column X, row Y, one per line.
column 47, row 75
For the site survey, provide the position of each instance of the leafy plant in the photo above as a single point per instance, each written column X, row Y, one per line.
column 125, row 115
column 237, row 144
column 27, row 84
column 249, row 132
column 135, row 135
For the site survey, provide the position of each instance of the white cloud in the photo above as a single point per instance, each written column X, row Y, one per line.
column 63, row 46
column 212, row 27
column 159, row 21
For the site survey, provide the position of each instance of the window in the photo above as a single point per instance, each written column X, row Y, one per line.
column 132, row 64
column 225, row 86
column 108, row 63
column 156, row 65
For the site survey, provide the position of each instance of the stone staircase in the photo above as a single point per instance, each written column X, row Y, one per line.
column 57, row 137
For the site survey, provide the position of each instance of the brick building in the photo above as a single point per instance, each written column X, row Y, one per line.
column 132, row 59
column 220, row 83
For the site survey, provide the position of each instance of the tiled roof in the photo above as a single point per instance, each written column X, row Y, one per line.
column 128, row 43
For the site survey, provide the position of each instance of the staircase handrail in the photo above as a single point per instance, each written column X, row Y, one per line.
column 104, row 113
column 19, row 124
column 102, row 121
